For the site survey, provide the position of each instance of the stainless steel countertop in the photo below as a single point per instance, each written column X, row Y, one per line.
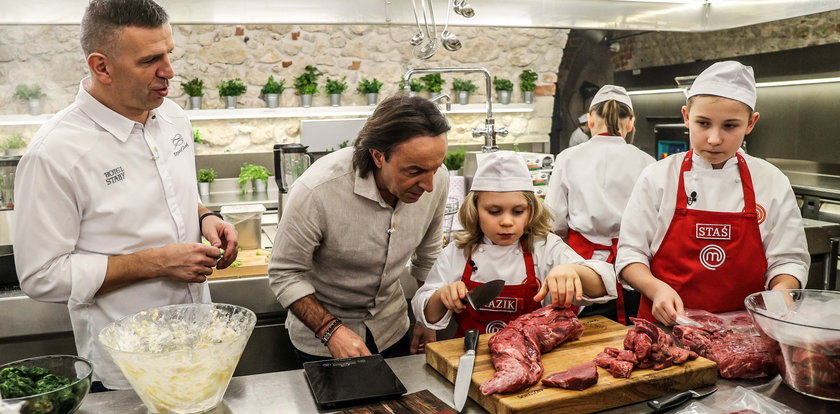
column 288, row 392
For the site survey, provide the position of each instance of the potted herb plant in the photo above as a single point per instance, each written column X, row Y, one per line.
column 32, row 95
column 433, row 83
column 307, row 85
column 370, row 88
column 205, row 177
column 454, row 160
column 335, row 88
column 528, row 82
column 415, row 86
column 197, row 136
column 463, row 89
column 194, row 88
column 272, row 90
column 230, row 89
column 503, row 87
column 14, row 145
column 257, row 175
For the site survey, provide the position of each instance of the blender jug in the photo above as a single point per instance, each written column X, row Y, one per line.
column 290, row 161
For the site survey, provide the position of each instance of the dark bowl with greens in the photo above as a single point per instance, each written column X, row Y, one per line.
column 53, row 384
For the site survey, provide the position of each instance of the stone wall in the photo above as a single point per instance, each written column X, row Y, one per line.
column 669, row 48
column 50, row 55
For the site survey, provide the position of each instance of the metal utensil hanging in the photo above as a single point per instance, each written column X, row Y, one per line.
column 426, row 44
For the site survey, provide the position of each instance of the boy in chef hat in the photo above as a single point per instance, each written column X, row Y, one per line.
column 706, row 228
column 590, row 186
column 507, row 235
column 581, row 134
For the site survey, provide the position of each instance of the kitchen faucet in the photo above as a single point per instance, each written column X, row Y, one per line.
column 489, row 131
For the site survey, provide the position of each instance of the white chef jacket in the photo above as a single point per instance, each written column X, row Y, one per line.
column 578, row 137
column 590, row 186
column 651, row 207
column 505, row 262
column 95, row 184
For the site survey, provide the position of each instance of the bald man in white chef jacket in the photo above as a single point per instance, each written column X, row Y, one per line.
column 704, row 229
column 107, row 213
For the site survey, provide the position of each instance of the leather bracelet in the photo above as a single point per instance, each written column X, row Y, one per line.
column 324, row 325
column 205, row 215
column 328, row 334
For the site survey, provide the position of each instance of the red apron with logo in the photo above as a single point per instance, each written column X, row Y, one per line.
column 586, row 249
column 712, row 259
column 512, row 302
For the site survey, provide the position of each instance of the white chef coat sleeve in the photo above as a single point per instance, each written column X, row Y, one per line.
column 299, row 233
column 443, row 273
column 557, row 252
column 425, row 254
column 557, row 197
column 638, row 223
column 46, row 230
column 784, row 241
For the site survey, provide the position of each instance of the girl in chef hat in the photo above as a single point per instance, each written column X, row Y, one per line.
column 590, row 186
column 706, row 228
column 507, row 235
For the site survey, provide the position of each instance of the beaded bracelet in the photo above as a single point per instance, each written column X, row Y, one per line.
column 328, row 334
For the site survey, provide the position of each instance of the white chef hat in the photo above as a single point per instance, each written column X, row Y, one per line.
column 502, row 171
column 611, row 92
column 583, row 119
column 728, row 79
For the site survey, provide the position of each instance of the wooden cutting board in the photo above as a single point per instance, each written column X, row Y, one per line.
column 254, row 263
column 609, row 392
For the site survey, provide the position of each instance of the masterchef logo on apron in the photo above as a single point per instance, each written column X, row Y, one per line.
column 507, row 305
column 712, row 257
column 713, row 231
column 495, row 326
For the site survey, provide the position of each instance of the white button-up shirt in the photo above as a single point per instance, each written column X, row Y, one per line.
column 506, row 263
column 95, row 184
column 651, row 207
column 590, row 186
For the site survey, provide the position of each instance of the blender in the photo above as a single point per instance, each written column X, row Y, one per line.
column 290, row 161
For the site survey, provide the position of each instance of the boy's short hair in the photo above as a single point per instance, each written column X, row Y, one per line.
column 103, row 19
column 538, row 227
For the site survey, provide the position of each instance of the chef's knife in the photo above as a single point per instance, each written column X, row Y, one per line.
column 465, row 369
column 484, row 294
column 685, row 320
column 673, row 400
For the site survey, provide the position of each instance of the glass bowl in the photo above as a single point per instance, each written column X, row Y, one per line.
column 180, row 358
column 64, row 400
column 801, row 330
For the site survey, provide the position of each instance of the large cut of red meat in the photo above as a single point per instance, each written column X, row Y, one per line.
column 516, row 348
column 738, row 354
column 579, row 377
column 645, row 346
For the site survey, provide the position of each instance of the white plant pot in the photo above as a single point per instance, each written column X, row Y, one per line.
column 15, row 151
column 195, row 102
column 306, row 100
column 260, row 186
column 504, row 97
column 204, row 189
column 528, row 96
column 463, row 97
column 335, row 99
column 372, row 98
column 272, row 100
column 34, row 106
column 230, row 102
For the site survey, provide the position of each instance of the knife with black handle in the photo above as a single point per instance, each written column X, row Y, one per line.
column 465, row 368
column 674, row 400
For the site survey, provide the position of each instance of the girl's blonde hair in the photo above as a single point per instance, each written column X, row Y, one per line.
column 612, row 112
column 538, row 227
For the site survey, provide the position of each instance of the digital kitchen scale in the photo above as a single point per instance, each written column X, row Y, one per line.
column 352, row 381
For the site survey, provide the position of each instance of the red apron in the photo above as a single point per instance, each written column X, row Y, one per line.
column 712, row 259
column 512, row 302
column 586, row 249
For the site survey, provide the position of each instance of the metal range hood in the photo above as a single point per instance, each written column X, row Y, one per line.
column 664, row 15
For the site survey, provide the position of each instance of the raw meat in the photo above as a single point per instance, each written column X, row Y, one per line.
column 516, row 348
column 738, row 354
column 579, row 377
column 645, row 346
column 806, row 371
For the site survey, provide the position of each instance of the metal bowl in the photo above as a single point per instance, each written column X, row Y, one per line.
column 180, row 358
column 801, row 330
column 64, row 400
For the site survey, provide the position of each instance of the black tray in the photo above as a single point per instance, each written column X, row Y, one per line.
column 351, row 381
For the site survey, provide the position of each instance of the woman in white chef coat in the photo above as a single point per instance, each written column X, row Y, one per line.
column 706, row 228
column 507, row 235
column 590, row 186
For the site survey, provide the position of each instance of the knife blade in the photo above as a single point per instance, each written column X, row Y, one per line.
column 465, row 369
column 484, row 294
column 673, row 400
